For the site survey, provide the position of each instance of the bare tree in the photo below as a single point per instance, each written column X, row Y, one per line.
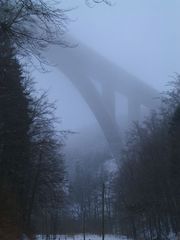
column 32, row 24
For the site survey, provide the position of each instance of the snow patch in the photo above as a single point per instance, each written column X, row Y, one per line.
column 80, row 237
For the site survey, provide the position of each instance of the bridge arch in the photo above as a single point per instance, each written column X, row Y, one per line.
column 82, row 64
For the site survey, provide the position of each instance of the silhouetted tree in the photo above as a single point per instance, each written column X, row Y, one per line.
column 14, row 139
column 147, row 187
column 31, row 165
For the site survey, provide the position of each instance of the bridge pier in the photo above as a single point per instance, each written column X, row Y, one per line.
column 134, row 110
column 108, row 99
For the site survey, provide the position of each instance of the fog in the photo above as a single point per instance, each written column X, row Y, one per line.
column 140, row 36
column 103, row 160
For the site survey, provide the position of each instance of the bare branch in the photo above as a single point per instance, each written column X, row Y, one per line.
column 31, row 25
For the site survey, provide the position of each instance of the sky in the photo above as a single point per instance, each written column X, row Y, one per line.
column 142, row 36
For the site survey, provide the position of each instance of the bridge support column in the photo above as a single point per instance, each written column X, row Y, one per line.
column 108, row 98
column 134, row 110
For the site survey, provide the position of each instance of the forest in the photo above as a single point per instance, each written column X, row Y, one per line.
column 136, row 195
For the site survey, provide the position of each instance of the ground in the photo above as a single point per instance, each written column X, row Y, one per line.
column 80, row 237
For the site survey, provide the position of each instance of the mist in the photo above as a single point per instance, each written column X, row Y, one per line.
column 89, row 120
column 140, row 37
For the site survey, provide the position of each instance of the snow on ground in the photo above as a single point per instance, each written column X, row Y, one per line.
column 80, row 237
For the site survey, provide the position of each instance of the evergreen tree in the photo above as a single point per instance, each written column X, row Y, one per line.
column 31, row 166
column 14, row 139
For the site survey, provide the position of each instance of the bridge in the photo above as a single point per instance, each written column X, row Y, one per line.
column 83, row 66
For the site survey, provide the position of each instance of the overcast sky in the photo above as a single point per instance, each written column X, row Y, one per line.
column 142, row 36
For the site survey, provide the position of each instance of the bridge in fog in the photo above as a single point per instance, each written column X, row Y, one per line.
column 83, row 66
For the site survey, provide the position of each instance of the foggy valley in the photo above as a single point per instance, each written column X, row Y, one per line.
column 89, row 120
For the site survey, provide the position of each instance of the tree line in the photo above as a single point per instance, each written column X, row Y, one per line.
column 147, row 191
column 31, row 163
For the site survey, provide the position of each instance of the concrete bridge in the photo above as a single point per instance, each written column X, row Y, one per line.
column 82, row 65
